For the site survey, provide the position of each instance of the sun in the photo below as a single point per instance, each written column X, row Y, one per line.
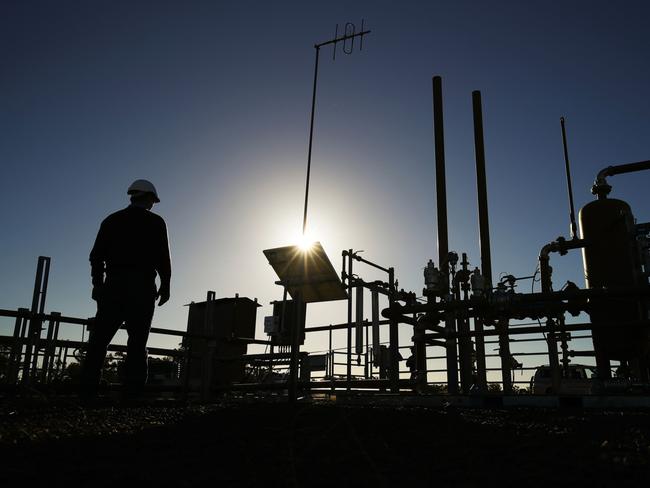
column 306, row 242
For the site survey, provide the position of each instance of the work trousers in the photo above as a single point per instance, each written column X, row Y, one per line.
column 121, row 301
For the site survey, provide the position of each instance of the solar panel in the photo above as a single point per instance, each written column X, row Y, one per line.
column 309, row 272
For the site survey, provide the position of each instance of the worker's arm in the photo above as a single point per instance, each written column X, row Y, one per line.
column 98, row 261
column 164, row 266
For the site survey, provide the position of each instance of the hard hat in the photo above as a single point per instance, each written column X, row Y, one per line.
column 143, row 186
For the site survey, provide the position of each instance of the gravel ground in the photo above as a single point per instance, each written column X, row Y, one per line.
column 274, row 444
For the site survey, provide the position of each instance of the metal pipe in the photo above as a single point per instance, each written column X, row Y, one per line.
column 572, row 212
column 313, row 112
column 443, row 237
column 376, row 340
column 479, row 344
column 543, row 328
column 311, row 139
column 343, row 38
column 504, row 354
column 370, row 263
column 323, row 328
column 48, row 352
column 484, row 229
column 299, row 323
column 561, row 246
column 349, row 342
column 16, row 347
column 59, row 361
column 420, row 356
column 475, row 305
column 441, row 186
column 46, row 279
column 330, row 356
column 481, row 189
column 155, row 351
column 358, row 337
column 31, row 350
column 602, row 189
column 462, row 325
column 393, row 337
column 58, row 357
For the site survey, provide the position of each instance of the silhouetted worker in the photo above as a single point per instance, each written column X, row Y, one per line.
column 131, row 247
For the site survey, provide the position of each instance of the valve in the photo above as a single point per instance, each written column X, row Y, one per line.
column 478, row 283
column 508, row 281
column 452, row 259
column 431, row 275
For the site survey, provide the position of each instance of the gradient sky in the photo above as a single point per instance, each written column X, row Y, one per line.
column 211, row 100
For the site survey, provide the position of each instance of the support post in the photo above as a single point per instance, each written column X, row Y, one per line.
column 35, row 322
column 465, row 342
column 349, row 342
column 504, row 354
column 17, row 345
column 551, row 339
column 393, row 373
column 359, row 325
column 299, row 324
column 481, row 367
column 48, row 350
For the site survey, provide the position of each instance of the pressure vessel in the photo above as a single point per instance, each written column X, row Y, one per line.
column 611, row 260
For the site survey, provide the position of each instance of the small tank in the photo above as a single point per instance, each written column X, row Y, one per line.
column 611, row 260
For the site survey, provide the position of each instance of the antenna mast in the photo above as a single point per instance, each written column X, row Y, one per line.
column 572, row 213
column 350, row 35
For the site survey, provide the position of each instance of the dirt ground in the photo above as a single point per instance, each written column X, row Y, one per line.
column 310, row 444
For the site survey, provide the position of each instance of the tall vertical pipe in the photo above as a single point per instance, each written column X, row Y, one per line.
column 481, row 189
column 443, row 238
column 484, row 230
column 441, row 184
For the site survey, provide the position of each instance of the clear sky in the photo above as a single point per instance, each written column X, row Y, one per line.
column 210, row 101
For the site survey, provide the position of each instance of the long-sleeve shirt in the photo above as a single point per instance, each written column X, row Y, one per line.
column 131, row 241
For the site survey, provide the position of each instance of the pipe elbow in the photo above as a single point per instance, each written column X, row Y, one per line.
column 600, row 187
column 392, row 311
column 548, row 249
column 604, row 173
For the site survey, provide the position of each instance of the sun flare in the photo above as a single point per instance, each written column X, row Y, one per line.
column 306, row 242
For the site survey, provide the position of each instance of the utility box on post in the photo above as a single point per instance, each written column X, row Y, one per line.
column 218, row 329
column 286, row 322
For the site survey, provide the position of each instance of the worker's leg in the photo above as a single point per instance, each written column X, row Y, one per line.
column 138, row 323
column 108, row 320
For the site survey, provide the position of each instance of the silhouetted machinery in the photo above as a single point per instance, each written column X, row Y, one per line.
column 615, row 256
column 219, row 331
column 281, row 325
column 463, row 304
column 616, row 265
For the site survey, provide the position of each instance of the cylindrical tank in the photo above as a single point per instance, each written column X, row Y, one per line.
column 611, row 260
